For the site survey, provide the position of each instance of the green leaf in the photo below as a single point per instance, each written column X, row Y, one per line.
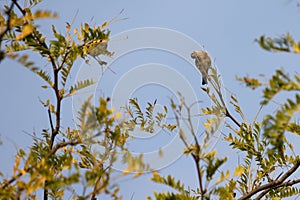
column 65, row 71
column 44, row 75
column 276, row 124
column 169, row 181
column 80, row 85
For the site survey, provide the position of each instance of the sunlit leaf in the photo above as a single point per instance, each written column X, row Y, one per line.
column 26, row 30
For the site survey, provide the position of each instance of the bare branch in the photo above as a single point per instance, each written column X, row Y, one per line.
column 50, row 119
column 227, row 114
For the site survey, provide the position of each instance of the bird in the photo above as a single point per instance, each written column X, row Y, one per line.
column 96, row 48
column 203, row 63
column 99, row 47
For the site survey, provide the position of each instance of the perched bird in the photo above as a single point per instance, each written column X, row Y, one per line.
column 203, row 63
column 95, row 49
column 98, row 47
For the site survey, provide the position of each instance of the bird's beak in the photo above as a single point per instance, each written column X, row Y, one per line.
column 193, row 55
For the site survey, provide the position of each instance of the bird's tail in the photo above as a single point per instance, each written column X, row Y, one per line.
column 204, row 81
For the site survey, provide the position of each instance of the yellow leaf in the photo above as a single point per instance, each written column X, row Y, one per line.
column 296, row 48
column 66, row 167
column 238, row 170
column 75, row 31
column 117, row 115
column 21, row 184
column 80, row 36
column 26, row 30
column 171, row 127
column 16, row 165
column 138, row 174
column 223, row 177
column 22, row 171
column 219, row 180
column 212, row 153
column 74, row 161
column 44, row 14
column 104, row 25
column 2, row 20
column 160, row 152
column 84, row 49
column 155, row 173
column 227, row 174
column 62, row 92
column 51, row 108
column 206, row 125
column 86, row 27
column 71, row 150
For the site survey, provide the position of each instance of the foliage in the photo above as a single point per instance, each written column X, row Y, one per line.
column 268, row 165
column 285, row 43
column 62, row 158
column 145, row 121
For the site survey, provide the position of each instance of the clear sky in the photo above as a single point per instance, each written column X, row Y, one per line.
column 226, row 29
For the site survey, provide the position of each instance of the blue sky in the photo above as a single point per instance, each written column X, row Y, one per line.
column 226, row 29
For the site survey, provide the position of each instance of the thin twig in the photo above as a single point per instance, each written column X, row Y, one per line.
column 195, row 156
column 50, row 119
column 197, row 163
column 227, row 114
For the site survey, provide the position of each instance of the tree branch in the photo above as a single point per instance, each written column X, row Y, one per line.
column 287, row 184
column 64, row 60
column 197, row 153
column 273, row 184
column 197, row 163
column 50, row 119
column 227, row 114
